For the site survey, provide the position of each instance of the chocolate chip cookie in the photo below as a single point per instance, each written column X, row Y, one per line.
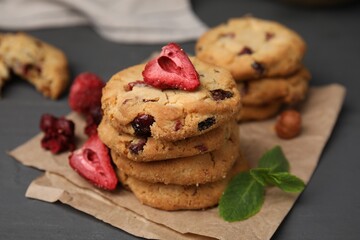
column 4, row 74
column 177, row 197
column 133, row 107
column 150, row 149
column 249, row 113
column 198, row 169
column 252, row 48
column 41, row 64
column 288, row 90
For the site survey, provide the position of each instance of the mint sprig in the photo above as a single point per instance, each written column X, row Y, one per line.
column 241, row 202
column 244, row 195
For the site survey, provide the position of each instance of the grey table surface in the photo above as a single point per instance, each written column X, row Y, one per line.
column 329, row 208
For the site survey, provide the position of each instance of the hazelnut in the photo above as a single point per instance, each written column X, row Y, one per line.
column 288, row 124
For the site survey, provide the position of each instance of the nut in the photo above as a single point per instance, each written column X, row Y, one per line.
column 288, row 124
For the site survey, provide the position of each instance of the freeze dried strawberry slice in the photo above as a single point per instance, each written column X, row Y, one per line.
column 92, row 162
column 172, row 69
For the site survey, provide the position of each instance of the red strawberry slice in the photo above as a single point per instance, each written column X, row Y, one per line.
column 92, row 162
column 172, row 69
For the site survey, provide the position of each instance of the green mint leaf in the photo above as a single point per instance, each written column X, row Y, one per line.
column 287, row 182
column 275, row 160
column 242, row 198
column 261, row 175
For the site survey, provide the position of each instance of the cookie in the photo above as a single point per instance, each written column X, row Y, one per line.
column 138, row 109
column 150, row 149
column 41, row 64
column 4, row 73
column 178, row 197
column 288, row 90
column 252, row 48
column 198, row 169
column 263, row 112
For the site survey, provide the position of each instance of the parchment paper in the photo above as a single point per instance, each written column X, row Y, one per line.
column 121, row 209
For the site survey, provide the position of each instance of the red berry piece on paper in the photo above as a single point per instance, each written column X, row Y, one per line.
column 92, row 161
column 172, row 69
column 85, row 93
column 59, row 133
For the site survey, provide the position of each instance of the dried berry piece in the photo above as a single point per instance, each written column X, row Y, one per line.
column 258, row 67
column 171, row 70
column 245, row 50
column 92, row 161
column 141, row 125
column 269, row 36
column 178, row 125
column 131, row 85
column 203, row 125
column 29, row 69
column 137, row 146
column 201, row 148
column 288, row 125
column 227, row 35
column 220, row 94
column 59, row 133
column 93, row 119
column 85, row 93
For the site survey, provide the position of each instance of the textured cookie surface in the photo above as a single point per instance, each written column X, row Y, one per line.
column 150, row 149
column 198, row 169
column 135, row 108
column 4, row 73
column 263, row 112
column 177, row 197
column 41, row 64
column 252, row 48
column 287, row 90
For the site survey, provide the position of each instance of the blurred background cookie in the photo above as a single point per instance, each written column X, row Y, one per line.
column 40, row 63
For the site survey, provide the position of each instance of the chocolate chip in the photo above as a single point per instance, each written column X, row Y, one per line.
column 141, row 125
column 220, row 94
column 151, row 100
column 258, row 67
column 203, row 125
column 245, row 50
column 138, row 146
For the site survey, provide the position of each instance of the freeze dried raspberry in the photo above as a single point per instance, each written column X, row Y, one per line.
column 92, row 161
column 59, row 133
column 171, row 70
column 85, row 93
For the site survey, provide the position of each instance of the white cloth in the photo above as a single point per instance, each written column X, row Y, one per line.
column 126, row 21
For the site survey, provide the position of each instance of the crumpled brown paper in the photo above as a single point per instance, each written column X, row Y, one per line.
column 121, row 209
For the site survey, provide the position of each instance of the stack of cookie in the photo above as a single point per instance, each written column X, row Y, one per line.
column 174, row 149
column 264, row 57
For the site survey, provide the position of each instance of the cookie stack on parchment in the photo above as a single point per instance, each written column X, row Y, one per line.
column 174, row 149
column 264, row 57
